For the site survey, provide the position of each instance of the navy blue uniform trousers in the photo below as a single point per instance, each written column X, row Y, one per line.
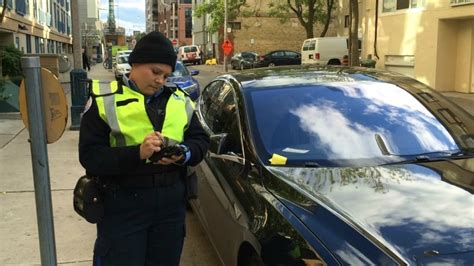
column 142, row 226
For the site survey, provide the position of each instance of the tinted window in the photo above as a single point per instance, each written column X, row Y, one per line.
column 180, row 70
column 345, row 122
column 278, row 54
column 292, row 54
column 209, row 103
column 189, row 49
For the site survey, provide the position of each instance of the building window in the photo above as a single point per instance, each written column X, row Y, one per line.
column 188, row 23
column 37, row 45
column 9, row 3
column 235, row 25
column 20, row 7
column 28, row 43
column 347, row 21
column 395, row 5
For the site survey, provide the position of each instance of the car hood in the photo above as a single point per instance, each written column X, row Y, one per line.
column 423, row 212
column 186, row 83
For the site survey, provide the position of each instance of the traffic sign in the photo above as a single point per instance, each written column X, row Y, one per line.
column 174, row 42
column 227, row 47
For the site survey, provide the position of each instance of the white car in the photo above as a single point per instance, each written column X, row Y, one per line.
column 121, row 66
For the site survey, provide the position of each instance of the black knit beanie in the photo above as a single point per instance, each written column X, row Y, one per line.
column 153, row 48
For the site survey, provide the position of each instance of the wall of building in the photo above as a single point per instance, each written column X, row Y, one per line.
column 263, row 34
column 432, row 43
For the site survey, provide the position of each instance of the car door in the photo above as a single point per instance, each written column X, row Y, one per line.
column 278, row 58
column 293, row 58
column 218, row 205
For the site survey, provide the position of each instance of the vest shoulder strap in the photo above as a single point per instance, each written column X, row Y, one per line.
column 101, row 89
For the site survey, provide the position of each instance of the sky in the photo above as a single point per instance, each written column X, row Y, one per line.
column 129, row 14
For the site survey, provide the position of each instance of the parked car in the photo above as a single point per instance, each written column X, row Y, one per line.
column 279, row 58
column 183, row 78
column 335, row 166
column 190, row 54
column 121, row 66
column 243, row 60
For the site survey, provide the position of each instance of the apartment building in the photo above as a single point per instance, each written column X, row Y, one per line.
column 430, row 40
column 173, row 18
column 37, row 26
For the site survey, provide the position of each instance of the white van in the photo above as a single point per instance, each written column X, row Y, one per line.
column 190, row 54
column 322, row 50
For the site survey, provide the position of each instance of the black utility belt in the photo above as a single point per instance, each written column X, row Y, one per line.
column 145, row 181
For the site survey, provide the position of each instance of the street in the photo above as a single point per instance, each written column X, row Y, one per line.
column 74, row 236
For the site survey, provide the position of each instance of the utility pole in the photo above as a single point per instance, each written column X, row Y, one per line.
column 225, row 34
column 76, row 34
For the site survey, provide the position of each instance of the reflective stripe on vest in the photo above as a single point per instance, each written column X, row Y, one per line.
column 126, row 115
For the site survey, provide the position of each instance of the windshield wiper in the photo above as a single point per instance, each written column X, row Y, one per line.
column 432, row 157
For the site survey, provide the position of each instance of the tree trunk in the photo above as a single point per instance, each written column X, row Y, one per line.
column 309, row 30
column 330, row 4
column 354, row 36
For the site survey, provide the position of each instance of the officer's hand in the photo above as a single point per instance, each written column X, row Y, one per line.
column 152, row 143
column 170, row 160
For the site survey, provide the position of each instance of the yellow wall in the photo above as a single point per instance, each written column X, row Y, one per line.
column 439, row 36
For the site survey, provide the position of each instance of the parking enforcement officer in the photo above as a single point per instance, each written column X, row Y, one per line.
column 122, row 127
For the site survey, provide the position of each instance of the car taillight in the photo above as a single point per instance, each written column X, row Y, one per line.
column 261, row 58
column 317, row 56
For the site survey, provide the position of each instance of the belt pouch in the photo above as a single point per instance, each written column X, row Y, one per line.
column 88, row 200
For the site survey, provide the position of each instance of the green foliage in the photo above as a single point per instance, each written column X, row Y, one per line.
column 215, row 10
column 11, row 58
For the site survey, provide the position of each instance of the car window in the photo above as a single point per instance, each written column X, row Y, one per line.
column 218, row 107
column 278, row 54
column 345, row 122
column 291, row 54
column 180, row 70
column 207, row 102
column 189, row 49
column 122, row 60
column 306, row 45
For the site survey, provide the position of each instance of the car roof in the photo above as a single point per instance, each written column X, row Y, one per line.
column 306, row 75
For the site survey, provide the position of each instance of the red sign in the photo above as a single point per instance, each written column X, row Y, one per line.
column 227, row 47
column 174, row 42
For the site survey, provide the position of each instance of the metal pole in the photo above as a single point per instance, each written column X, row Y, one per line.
column 76, row 34
column 225, row 34
column 39, row 158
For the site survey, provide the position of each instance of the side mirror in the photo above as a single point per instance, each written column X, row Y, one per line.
column 194, row 72
column 218, row 143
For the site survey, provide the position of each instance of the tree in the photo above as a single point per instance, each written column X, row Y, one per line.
column 308, row 13
column 215, row 10
column 353, row 33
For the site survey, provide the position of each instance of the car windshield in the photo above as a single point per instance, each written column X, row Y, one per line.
column 122, row 60
column 344, row 123
column 180, row 70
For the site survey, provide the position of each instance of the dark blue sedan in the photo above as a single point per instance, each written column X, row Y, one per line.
column 335, row 166
column 183, row 78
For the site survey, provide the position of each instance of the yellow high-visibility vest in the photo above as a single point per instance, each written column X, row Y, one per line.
column 124, row 111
